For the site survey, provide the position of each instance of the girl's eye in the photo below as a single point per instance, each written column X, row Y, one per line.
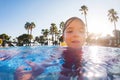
column 70, row 31
column 82, row 31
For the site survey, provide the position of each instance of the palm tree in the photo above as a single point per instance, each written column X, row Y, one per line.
column 56, row 33
column 62, row 26
column 45, row 33
column 84, row 10
column 27, row 26
column 112, row 14
column 32, row 25
column 53, row 30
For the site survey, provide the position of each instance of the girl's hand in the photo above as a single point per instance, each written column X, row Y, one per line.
column 37, row 69
column 22, row 74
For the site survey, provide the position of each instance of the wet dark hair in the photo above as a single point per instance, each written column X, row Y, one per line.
column 67, row 23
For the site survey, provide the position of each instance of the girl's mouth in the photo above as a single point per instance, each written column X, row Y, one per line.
column 76, row 41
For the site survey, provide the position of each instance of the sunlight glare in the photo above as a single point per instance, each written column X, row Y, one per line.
column 99, row 27
column 94, row 56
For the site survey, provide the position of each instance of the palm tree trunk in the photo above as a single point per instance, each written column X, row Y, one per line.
column 52, row 39
column 86, row 27
column 115, row 34
column 30, row 34
column 28, row 31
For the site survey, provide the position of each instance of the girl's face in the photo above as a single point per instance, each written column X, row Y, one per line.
column 74, row 34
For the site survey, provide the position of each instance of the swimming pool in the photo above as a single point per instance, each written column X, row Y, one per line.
column 99, row 63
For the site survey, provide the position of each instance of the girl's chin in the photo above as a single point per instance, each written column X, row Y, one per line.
column 75, row 46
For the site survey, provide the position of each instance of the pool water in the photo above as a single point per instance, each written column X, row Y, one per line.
column 98, row 63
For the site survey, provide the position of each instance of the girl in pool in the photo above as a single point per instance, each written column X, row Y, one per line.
column 74, row 36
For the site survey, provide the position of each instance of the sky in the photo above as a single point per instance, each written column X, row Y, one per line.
column 15, row 13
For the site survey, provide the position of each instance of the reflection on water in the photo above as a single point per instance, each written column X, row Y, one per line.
column 94, row 56
column 96, row 63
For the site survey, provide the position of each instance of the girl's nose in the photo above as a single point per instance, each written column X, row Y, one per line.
column 76, row 34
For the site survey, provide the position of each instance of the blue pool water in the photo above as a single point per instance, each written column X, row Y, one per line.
column 98, row 63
